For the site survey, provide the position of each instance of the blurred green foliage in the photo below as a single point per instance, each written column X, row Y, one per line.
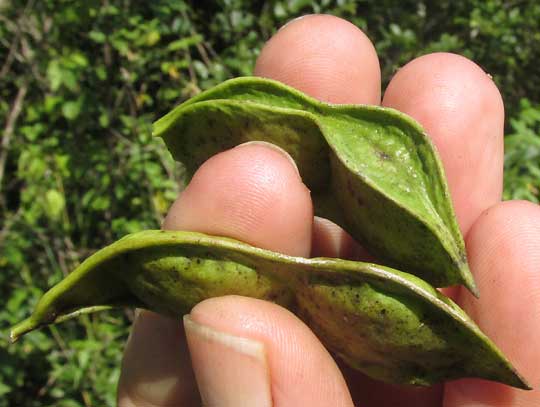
column 522, row 154
column 80, row 84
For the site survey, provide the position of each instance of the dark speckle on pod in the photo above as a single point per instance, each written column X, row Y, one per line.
column 383, row 155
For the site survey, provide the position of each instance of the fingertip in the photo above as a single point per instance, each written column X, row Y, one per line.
column 504, row 253
column 251, row 193
column 324, row 56
column 301, row 371
column 503, row 247
column 441, row 73
column 224, row 363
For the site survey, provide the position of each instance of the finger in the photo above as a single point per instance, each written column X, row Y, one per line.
column 332, row 60
column 252, row 193
column 326, row 57
column 330, row 240
column 156, row 369
column 289, row 367
column 372, row 392
column 504, row 247
column 462, row 111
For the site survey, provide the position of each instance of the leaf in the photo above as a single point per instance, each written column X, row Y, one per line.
column 97, row 36
column 152, row 38
column 4, row 389
column 54, row 74
column 104, row 120
column 54, row 204
column 69, row 79
column 185, row 42
column 71, row 109
column 79, row 59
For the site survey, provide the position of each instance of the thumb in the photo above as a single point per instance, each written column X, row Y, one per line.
column 249, row 352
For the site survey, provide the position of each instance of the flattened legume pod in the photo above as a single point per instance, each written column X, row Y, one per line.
column 390, row 325
column 376, row 163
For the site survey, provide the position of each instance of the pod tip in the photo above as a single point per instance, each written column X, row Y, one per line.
column 468, row 279
column 21, row 329
column 518, row 381
column 471, row 286
column 526, row 386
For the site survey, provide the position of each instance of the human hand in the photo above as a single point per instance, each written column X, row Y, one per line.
column 247, row 352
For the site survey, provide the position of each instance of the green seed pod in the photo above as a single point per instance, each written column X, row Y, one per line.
column 389, row 324
column 372, row 170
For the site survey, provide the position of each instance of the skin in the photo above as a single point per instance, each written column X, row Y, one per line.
column 253, row 193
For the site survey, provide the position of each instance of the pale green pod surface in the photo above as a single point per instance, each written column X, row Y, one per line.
column 372, row 170
column 388, row 324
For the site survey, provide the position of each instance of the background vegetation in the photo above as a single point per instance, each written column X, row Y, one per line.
column 80, row 84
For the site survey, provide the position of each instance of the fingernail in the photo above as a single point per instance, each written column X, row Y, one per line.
column 272, row 147
column 293, row 20
column 230, row 370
